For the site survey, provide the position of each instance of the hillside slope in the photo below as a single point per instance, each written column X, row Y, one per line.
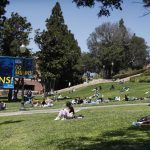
column 96, row 81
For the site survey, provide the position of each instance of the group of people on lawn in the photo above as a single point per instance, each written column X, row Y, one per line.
column 47, row 102
column 69, row 112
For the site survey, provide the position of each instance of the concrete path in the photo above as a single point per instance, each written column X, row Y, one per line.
column 28, row 112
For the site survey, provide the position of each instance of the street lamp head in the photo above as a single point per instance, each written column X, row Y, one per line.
column 22, row 48
column 112, row 63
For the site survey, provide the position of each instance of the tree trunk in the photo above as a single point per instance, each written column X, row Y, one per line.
column 10, row 95
column 17, row 89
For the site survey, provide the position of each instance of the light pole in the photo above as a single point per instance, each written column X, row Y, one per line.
column 103, row 71
column 112, row 64
column 22, row 50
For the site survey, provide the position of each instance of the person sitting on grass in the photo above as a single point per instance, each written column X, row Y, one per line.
column 126, row 97
column 46, row 102
column 36, row 103
column 67, row 113
column 124, row 89
column 112, row 87
column 2, row 105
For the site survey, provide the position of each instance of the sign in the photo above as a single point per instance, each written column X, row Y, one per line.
column 19, row 72
column 23, row 67
column 6, row 72
column 28, row 67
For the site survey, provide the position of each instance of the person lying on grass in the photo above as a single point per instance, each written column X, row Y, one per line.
column 67, row 113
column 47, row 102
column 142, row 121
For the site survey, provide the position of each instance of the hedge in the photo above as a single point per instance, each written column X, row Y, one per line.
column 120, row 76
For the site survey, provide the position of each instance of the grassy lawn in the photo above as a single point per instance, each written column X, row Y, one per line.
column 135, row 90
column 105, row 128
column 100, row 129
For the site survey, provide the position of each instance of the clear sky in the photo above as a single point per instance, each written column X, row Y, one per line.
column 81, row 21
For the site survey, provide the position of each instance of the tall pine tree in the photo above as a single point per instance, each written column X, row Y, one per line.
column 59, row 52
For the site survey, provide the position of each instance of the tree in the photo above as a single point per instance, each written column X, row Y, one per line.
column 138, row 52
column 107, row 5
column 16, row 31
column 115, row 48
column 146, row 5
column 124, row 39
column 3, row 4
column 105, row 45
column 88, row 63
column 59, row 51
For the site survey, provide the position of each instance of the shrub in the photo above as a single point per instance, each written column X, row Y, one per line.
column 128, row 74
column 140, row 79
column 146, row 73
column 134, row 79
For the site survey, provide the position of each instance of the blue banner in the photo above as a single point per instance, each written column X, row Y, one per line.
column 6, row 72
column 23, row 67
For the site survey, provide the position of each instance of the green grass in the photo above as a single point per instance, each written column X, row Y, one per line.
column 136, row 90
column 101, row 129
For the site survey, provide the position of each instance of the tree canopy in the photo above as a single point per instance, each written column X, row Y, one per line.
column 59, row 50
column 115, row 48
column 107, row 5
column 16, row 30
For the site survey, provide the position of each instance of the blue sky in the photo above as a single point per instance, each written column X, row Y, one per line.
column 81, row 21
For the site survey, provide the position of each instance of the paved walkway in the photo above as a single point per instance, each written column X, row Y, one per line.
column 28, row 112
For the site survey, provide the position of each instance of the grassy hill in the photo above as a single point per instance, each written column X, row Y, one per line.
column 135, row 90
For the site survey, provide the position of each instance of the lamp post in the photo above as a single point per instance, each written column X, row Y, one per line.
column 112, row 64
column 22, row 50
column 103, row 71
column 85, row 73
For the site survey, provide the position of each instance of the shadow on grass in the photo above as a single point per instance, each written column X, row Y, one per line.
column 11, row 121
column 3, row 97
column 140, row 128
column 127, row 139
